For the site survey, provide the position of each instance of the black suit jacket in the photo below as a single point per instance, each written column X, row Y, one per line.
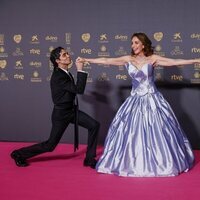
column 64, row 89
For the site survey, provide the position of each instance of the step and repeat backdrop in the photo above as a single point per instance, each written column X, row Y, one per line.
column 31, row 68
column 29, row 30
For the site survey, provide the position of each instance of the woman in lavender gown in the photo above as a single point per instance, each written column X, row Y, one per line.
column 144, row 139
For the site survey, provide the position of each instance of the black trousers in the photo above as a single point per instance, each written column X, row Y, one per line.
column 60, row 121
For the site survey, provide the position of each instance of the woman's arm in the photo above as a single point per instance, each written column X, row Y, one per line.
column 158, row 60
column 107, row 61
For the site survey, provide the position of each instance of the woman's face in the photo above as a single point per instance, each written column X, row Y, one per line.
column 137, row 46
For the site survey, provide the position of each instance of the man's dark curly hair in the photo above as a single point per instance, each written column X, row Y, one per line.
column 55, row 54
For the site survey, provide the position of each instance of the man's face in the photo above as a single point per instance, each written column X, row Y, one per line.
column 64, row 59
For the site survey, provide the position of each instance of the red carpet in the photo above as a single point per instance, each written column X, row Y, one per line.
column 60, row 175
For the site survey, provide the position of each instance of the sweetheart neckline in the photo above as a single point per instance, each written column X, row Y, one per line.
column 139, row 69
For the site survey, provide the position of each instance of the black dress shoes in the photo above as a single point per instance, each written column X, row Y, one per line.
column 90, row 162
column 20, row 162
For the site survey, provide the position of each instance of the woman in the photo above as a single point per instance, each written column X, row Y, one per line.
column 144, row 138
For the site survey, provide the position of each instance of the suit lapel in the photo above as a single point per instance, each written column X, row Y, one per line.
column 70, row 75
column 66, row 73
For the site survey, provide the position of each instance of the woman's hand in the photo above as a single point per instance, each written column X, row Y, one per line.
column 79, row 59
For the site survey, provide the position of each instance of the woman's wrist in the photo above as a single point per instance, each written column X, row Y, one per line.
column 87, row 60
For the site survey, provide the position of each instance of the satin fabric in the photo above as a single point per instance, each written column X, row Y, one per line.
column 145, row 138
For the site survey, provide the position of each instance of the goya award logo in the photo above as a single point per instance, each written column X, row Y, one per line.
column 1, row 39
column 197, row 75
column 17, row 38
column 158, row 36
column 85, row 37
column 3, row 64
column 196, row 78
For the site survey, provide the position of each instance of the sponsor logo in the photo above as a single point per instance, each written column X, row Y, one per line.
column 197, row 66
column 19, row 76
column 2, row 52
column 3, row 77
column 103, row 77
column 158, row 76
column 35, row 64
column 103, row 38
column 35, row 51
column 89, row 79
column 176, row 51
column 158, row 50
column 103, row 52
column 121, row 77
column 18, row 64
column 49, row 77
column 175, row 77
column 34, row 39
column 177, row 37
column 86, row 51
column 68, row 37
column 50, row 49
column 120, row 52
column 70, row 51
column 18, row 52
column 195, row 50
column 123, row 38
column 36, row 77
column 195, row 36
column 51, row 38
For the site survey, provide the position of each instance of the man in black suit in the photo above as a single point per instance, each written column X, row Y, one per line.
column 64, row 90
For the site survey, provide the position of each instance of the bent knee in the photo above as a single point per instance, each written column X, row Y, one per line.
column 96, row 125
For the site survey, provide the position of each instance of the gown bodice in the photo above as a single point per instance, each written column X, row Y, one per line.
column 142, row 79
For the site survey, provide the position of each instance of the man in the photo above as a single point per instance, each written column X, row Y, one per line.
column 64, row 90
